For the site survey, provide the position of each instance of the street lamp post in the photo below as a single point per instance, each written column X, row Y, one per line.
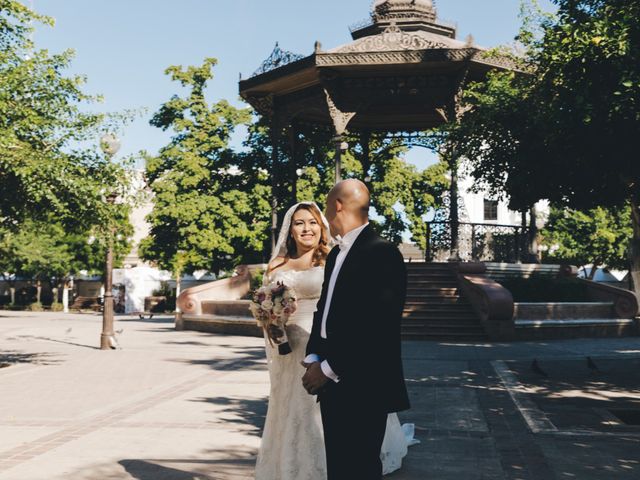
column 110, row 146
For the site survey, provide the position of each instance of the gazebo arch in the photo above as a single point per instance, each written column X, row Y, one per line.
column 403, row 72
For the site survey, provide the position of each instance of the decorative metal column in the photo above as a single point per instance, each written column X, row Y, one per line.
column 340, row 121
column 453, row 211
column 275, row 136
column 107, row 335
column 110, row 145
column 293, row 163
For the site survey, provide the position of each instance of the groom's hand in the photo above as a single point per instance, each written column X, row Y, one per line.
column 314, row 379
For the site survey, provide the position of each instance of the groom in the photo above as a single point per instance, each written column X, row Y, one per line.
column 353, row 358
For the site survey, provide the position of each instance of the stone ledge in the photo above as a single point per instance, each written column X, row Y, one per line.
column 574, row 322
column 244, row 326
column 576, row 328
column 563, row 310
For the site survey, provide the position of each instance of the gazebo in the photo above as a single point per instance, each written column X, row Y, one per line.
column 403, row 73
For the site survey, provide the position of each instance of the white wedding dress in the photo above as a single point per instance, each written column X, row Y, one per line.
column 292, row 446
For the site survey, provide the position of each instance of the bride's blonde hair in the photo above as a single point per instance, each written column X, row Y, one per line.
column 321, row 251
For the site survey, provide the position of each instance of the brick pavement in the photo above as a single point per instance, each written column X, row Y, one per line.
column 188, row 405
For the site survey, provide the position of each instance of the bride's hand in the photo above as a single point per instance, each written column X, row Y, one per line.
column 275, row 332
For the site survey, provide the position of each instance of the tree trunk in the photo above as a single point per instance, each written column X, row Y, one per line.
column 38, row 291
column 178, row 288
column 533, row 236
column 13, row 295
column 634, row 248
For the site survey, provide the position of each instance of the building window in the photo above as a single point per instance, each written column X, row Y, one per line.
column 490, row 209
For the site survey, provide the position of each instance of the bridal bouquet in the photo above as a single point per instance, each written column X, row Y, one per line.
column 271, row 306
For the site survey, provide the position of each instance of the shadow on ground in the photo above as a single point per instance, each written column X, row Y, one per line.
column 237, row 464
column 248, row 358
column 55, row 340
column 241, row 411
column 13, row 357
column 584, row 393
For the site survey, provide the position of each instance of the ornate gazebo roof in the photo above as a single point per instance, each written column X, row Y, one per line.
column 402, row 72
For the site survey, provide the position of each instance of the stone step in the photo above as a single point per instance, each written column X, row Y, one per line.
column 444, row 277
column 420, row 269
column 437, row 307
column 454, row 324
column 431, row 287
column 442, row 314
column 418, row 302
column 563, row 310
column 427, row 266
column 444, row 337
column 434, row 293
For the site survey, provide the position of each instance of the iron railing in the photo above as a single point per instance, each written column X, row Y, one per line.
column 487, row 242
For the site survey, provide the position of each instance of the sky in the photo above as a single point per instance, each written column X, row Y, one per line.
column 124, row 46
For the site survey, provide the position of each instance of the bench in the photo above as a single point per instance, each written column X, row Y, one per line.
column 86, row 303
column 501, row 271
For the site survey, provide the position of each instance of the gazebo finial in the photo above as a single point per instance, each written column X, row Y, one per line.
column 408, row 15
column 382, row 7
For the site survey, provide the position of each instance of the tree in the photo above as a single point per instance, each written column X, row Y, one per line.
column 205, row 210
column 46, row 251
column 45, row 162
column 597, row 237
column 565, row 130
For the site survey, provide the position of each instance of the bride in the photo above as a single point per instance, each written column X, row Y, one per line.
column 292, row 446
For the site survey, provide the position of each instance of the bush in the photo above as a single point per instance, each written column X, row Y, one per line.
column 540, row 288
column 256, row 279
column 35, row 307
column 14, row 307
column 56, row 307
column 168, row 293
column 254, row 283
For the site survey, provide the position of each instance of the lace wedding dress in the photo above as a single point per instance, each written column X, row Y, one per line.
column 292, row 445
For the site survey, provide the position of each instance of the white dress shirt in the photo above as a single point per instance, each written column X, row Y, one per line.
column 345, row 244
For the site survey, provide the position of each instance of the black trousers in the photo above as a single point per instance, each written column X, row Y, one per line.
column 353, row 436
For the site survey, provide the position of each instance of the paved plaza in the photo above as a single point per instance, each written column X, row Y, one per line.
column 185, row 405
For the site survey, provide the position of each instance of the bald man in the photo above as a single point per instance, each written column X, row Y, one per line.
column 353, row 358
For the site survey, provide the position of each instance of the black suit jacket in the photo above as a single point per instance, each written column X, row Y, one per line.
column 363, row 345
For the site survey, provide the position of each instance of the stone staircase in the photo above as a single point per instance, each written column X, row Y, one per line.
column 435, row 309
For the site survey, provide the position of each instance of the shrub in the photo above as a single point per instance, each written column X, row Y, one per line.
column 56, row 307
column 168, row 293
column 35, row 307
column 256, row 279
